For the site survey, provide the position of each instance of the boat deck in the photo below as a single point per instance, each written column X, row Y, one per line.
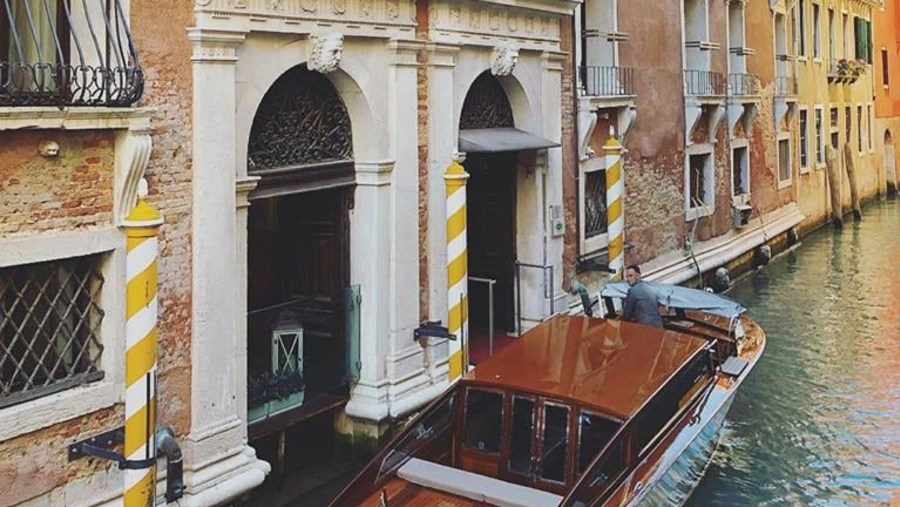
column 401, row 493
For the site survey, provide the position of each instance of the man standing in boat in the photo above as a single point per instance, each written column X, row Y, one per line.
column 640, row 303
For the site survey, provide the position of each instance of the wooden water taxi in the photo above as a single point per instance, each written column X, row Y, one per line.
column 579, row 411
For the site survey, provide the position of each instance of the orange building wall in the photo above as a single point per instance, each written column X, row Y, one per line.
column 886, row 40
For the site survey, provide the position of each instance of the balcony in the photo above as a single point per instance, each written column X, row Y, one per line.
column 846, row 71
column 743, row 85
column 698, row 83
column 785, row 86
column 607, row 81
column 67, row 54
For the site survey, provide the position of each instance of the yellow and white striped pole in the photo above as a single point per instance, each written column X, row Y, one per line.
column 141, row 229
column 457, row 268
column 615, row 200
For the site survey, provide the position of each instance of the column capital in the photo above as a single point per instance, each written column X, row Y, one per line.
column 243, row 187
column 442, row 55
column 405, row 52
column 553, row 60
column 215, row 45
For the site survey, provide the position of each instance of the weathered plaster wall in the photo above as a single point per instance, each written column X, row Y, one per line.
column 654, row 165
column 165, row 56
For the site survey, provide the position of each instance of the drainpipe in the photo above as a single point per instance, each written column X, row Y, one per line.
column 168, row 446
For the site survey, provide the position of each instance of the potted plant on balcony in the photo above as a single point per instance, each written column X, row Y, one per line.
column 848, row 71
column 268, row 393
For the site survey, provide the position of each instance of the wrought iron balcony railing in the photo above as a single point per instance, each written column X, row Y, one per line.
column 785, row 86
column 607, row 81
column 67, row 53
column 704, row 82
column 743, row 84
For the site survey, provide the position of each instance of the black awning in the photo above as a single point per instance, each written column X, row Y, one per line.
column 501, row 139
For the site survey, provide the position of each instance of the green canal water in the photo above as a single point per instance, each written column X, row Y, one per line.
column 818, row 421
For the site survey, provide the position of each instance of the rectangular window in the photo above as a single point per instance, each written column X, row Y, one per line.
column 820, row 136
column 594, row 203
column 484, row 417
column 554, row 455
column 846, row 37
column 863, row 32
column 870, row 129
column 831, row 50
column 835, row 131
column 859, row 126
column 801, row 28
column 740, row 171
column 520, row 448
column 804, row 139
column 50, row 317
column 885, row 69
column 848, row 127
column 699, row 175
column 817, row 38
column 594, row 432
column 784, row 160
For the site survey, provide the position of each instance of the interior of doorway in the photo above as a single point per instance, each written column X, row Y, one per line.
column 491, row 239
column 298, row 272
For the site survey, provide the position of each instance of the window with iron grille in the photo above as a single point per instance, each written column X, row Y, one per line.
column 50, row 318
column 595, row 216
column 804, row 139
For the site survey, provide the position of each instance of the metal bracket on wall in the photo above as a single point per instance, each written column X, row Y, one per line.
column 99, row 446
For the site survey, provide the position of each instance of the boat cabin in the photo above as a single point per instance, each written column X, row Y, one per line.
column 557, row 418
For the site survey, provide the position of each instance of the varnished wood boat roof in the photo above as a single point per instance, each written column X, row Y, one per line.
column 612, row 366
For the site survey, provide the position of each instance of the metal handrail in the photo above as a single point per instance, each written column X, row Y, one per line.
column 75, row 54
column 743, row 84
column 704, row 82
column 785, row 85
column 490, row 283
column 606, row 81
column 544, row 269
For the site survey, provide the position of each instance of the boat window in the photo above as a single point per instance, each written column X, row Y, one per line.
column 522, row 434
column 484, row 416
column 556, row 443
column 665, row 404
column 594, row 432
column 431, row 425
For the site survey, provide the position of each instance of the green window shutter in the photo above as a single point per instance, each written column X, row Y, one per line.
column 858, row 32
column 869, row 50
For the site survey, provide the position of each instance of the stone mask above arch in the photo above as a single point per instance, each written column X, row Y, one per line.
column 504, row 58
column 326, row 53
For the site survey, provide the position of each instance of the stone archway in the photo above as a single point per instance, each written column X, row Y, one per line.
column 298, row 263
column 890, row 163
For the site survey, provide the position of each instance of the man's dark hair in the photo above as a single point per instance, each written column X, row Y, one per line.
column 633, row 267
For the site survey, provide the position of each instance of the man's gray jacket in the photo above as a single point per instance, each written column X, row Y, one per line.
column 641, row 306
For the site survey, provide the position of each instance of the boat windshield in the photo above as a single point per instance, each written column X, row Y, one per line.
column 684, row 298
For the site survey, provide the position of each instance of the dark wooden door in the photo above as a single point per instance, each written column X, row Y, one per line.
column 491, row 206
column 314, row 236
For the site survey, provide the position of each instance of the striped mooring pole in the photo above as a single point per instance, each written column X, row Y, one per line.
column 141, row 230
column 615, row 199
column 457, row 268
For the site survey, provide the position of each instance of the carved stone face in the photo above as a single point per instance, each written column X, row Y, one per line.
column 504, row 59
column 49, row 149
column 327, row 50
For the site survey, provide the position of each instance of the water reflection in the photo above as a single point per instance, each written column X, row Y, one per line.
column 818, row 422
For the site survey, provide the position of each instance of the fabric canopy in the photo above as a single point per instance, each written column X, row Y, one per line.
column 499, row 140
column 676, row 296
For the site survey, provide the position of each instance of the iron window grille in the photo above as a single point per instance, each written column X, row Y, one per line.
column 595, row 213
column 67, row 53
column 49, row 327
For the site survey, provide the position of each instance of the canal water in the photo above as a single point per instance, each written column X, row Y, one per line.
column 818, row 421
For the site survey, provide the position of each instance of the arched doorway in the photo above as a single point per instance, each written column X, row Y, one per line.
column 890, row 163
column 491, row 205
column 298, row 269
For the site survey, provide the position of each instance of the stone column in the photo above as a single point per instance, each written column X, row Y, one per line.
column 442, row 143
column 551, row 91
column 218, row 463
column 369, row 267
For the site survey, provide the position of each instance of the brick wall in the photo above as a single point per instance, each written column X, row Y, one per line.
column 71, row 191
column 165, row 55
column 422, row 97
